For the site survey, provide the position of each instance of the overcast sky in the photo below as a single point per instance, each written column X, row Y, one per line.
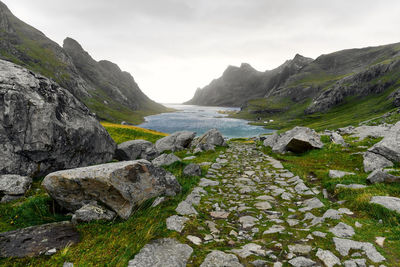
column 171, row 47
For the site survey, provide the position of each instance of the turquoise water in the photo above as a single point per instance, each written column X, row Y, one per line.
column 200, row 119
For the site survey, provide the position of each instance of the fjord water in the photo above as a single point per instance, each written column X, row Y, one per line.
column 200, row 119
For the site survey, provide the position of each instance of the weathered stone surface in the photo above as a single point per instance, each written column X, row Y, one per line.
column 185, row 208
column 342, row 230
column 351, row 186
column 302, row 262
column 300, row 249
column 37, row 240
column 192, row 170
column 343, row 246
column 356, row 263
column 120, row 186
column 389, row 147
column 44, row 128
column 328, row 258
column 176, row 223
column 165, row 160
column 271, row 140
column 176, row 141
column 379, row 176
column 92, row 212
column 247, row 221
column 310, row 204
column 220, row 259
column 391, row 203
column 166, row 252
column 208, row 141
column 365, row 131
column 374, row 161
column 249, row 249
column 339, row 174
column 194, row 239
column 14, row 184
column 136, row 149
column 207, row 182
column 274, row 229
column 337, row 139
column 299, row 139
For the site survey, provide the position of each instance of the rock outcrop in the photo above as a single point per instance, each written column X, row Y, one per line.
column 176, row 141
column 165, row 160
column 92, row 212
column 391, row 203
column 13, row 186
column 299, row 139
column 208, row 141
column 119, row 186
column 192, row 170
column 44, row 128
column 37, row 240
column 136, row 149
column 379, row 176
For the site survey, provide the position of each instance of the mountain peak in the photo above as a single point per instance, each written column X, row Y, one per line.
column 70, row 43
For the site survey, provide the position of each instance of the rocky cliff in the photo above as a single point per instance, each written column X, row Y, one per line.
column 112, row 94
column 305, row 86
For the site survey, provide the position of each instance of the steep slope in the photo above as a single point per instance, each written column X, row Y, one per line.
column 110, row 93
column 237, row 85
column 110, row 88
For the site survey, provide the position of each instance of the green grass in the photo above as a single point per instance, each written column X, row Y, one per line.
column 313, row 167
column 122, row 133
column 102, row 243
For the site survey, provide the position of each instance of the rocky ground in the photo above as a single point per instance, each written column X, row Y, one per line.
column 250, row 211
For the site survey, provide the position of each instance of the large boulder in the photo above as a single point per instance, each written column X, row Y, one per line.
column 374, row 161
column 44, row 128
column 299, row 139
column 271, row 140
column 37, row 240
column 120, row 186
column 208, row 141
column 165, row 160
column 192, row 170
column 389, row 147
column 136, row 149
column 13, row 186
column 391, row 203
column 380, row 176
column 176, row 141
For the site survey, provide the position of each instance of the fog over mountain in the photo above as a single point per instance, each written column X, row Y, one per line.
column 176, row 46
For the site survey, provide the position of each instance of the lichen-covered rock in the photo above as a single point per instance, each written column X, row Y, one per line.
column 165, row 160
column 136, row 149
column 120, row 186
column 92, row 212
column 374, row 161
column 44, row 128
column 166, row 252
column 270, row 140
column 219, row 258
column 208, row 141
column 11, row 184
column 192, row 170
column 389, row 146
column 299, row 139
column 176, row 141
column 37, row 240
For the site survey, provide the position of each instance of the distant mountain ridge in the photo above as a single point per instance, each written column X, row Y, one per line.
column 304, row 86
column 109, row 92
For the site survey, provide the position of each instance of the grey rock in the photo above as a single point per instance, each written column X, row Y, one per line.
column 310, row 204
column 338, row 139
column 391, row 203
column 220, row 259
column 363, row 132
column 248, row 250
column 299, row 139
column 274, row 229
column 11, row 184
column 328, row 258
column 389, row 147
column 37, row 240
column 136, row 149
column 176, row 223
column 260, row 263
column 192, row 170
column 351, row 186
column 355, row 263
column 247, row 221
column 185, row 208
column 343, row 246
column 300, row 249
column 68, row 264
column 92, row 212
column 332, row 214
column 189, row 158
column 9, row 198
column 342, row 230
column 166, row 252
column 374, row 161
column 176, row 141
column 44, row 128
column 302, row 262
column 165, row 160
column 157, row 201
column 120, row 186
column 379, row 176
column 51, row 252
column 271, row 140
column 207, row 182
column 339, row 174
column 209, row 140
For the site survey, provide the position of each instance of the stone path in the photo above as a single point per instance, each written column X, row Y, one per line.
column 250, row 211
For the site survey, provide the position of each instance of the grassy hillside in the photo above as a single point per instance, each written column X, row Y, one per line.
column 122, row 133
